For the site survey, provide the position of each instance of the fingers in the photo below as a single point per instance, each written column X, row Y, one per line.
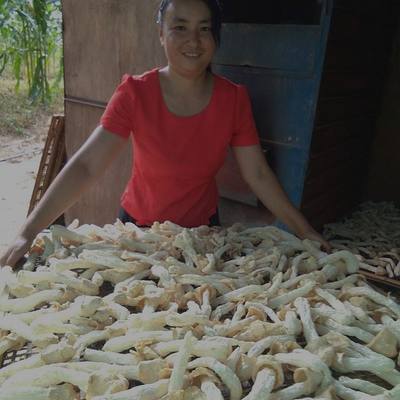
column 326, row 246
column 14, row 255
column 17, row 258
column 14, row 258
column 314, row 235
column 4, row 258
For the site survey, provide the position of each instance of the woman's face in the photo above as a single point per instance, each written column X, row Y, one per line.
column 187, row 38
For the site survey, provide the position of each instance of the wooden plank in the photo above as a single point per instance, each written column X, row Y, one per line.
column 385, row 160
column 100, row 204
column 330, row 212
column 350, row 55
column 347, row 24
column 365, row 7
column 306, row 12
column 334, row 197
column 381, row 279
column 319, row 183
column 340, row 83
column 342, row 153
column 290, row 48
column 123, row 39
column 339, row 108
column 328, row 136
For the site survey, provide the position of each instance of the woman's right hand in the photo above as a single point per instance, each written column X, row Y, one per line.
column 80, row 173
column 16, row 251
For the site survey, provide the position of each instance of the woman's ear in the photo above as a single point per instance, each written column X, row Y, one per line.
column 161, row 36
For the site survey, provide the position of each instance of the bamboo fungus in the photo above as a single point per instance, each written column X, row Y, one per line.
column 28, row 303
column 47, row 376
column 181, row 363
column 60, row 392
column 191, row 315
column 153, row 391
column 359, row 235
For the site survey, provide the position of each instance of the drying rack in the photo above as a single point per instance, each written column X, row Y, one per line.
column 53, row 159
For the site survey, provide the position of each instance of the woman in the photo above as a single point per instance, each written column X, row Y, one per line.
column 182, row 119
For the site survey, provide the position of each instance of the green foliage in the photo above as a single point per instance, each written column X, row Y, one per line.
column 31, row 45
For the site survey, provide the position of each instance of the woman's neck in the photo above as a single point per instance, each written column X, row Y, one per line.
column 185, row 96
column 185, row 84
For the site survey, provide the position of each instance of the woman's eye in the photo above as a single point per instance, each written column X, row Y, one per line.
column 206, row 29
column 179, row 28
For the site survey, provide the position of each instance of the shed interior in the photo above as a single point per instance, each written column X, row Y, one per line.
column 350, row 154
column 351, row 139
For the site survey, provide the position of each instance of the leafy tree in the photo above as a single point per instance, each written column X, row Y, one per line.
column 31, row 44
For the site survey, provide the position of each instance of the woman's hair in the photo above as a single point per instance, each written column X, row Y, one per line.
column 216, row 17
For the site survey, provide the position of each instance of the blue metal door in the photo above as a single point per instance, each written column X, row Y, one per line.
column 281, row 65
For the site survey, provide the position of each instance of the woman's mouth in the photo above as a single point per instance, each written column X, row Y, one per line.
column 192, row 54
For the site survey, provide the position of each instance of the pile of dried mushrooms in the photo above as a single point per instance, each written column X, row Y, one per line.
column 122, row 313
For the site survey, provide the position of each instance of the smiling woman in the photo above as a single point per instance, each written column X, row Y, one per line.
column 214, row 9
column 186, row 36
column 182, row 119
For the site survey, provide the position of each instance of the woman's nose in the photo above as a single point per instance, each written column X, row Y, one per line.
column 194, row 36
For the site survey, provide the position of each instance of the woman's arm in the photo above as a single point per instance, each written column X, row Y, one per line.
column 81, row 171
column 263, row 182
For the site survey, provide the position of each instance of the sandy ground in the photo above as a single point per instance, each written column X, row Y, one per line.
column 17, row 178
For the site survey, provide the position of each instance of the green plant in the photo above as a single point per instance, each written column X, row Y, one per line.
column 31, row 45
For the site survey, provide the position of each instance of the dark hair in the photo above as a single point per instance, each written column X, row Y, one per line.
column 216, row 17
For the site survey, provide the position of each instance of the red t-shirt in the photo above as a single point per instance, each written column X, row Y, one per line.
column 176, row 158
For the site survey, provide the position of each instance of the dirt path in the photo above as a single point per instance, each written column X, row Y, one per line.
column 19, row 162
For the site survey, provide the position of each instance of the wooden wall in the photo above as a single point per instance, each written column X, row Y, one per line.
column 349, row 102
column 103, row 39
column 383, row 182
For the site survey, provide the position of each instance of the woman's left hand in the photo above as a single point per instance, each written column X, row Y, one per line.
column 263, row 182
column 315, row 236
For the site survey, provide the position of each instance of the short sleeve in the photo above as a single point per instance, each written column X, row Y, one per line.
column 118, row 117
column 245, row 131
